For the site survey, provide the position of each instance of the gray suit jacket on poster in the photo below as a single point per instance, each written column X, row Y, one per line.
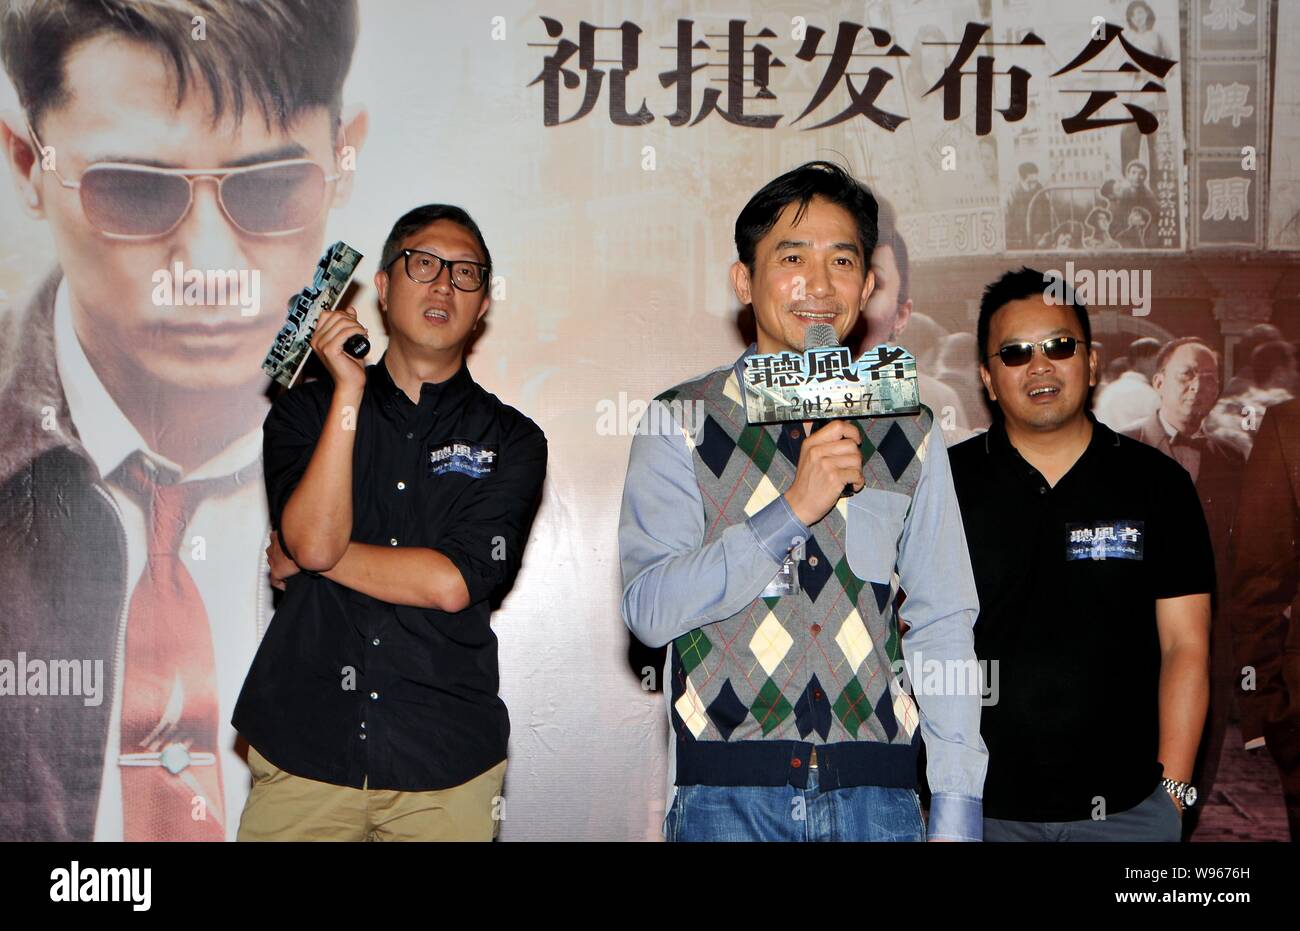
column 63, row 568
column 1218, row 485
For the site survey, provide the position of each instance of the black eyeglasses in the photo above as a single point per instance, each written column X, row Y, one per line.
column 1056, row 349
column 425, row 267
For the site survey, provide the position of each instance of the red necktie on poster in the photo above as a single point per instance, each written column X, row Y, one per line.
column 171, row 771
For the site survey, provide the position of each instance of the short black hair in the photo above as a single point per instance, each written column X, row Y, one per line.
column 1017, row 285
column 1136, row 5
column 285, row 55
column 1270, row 357
column 415, row 220
column 811, row 179
column 1144, row 347
column 1169, row 348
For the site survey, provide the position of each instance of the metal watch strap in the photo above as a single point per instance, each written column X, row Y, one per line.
column 1183, row 791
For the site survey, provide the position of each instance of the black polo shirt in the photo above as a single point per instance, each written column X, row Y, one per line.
column 348, row 689
column 1068, row 579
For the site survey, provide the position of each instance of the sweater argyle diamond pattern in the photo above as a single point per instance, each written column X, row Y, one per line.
column 816, row 665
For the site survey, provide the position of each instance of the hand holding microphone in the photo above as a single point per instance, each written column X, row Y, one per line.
column 830, row 463
column 337, row 339
column 830, row 460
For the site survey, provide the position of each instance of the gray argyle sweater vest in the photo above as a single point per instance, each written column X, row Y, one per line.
column 752, row 693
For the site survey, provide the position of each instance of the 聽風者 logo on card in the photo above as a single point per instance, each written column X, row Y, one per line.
column 1110, row 539
column 473, row 459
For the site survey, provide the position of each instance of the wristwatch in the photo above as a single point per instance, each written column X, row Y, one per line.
column 1185, row 792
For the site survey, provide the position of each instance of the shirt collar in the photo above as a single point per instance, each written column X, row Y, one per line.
column 739, row 367
column 108, row 434
column 1171, row 433
column 435, row 394
column 997, row 443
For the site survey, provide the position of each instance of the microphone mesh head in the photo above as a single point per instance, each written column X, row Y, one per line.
column 820, row 336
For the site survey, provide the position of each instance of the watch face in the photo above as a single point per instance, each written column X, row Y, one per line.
column 1189, row 797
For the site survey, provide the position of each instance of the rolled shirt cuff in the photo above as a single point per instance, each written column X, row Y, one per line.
column 955, row 817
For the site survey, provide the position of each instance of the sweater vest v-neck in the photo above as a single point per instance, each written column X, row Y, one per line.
column 753, row 692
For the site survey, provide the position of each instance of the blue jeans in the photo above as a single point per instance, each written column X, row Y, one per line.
column 788, row 813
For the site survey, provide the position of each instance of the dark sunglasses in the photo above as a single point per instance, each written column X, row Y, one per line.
column 1056, row 349
column 127, row 201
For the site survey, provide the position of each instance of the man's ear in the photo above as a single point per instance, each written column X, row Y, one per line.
column 484, row 305
column 381, row 285
column 355, row 121
column 740, row 281
column 903, row 318
column 868, row 286
column 25, row 165
column 988, row 381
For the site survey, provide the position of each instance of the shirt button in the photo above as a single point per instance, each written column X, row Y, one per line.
column 401, row 486
column 374, row 696
column 794, row 433
column 375, row 641
column 817, row 694
column 816, row 629
column 796, row 762
column 363, row 725
column 363, row 736
column 410, row 436
column 1042, row 490
column 392, row 541
column 812, row 561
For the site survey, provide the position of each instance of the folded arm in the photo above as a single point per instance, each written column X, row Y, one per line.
column 405, row 575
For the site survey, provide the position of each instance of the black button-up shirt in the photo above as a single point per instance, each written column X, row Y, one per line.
column 352, row 690
column 1068, row 578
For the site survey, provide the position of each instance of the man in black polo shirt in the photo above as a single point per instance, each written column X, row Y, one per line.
column 405, row 493
column 1094, row 570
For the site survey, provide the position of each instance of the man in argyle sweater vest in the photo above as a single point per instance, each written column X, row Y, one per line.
column 788, row 702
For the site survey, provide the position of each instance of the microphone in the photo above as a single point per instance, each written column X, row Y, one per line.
column 819, row 336
column 822, row 336
column 356, row 346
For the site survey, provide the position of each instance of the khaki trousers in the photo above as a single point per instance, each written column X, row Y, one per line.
column 285, row 807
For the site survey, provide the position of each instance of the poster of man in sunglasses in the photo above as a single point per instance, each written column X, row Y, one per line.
column 130, row 464
column 174, row 169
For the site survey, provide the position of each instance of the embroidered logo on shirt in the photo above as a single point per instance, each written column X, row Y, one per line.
column 1120, row 539
column 469, row 459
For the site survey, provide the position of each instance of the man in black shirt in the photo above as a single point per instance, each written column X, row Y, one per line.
column 1094, row 570
column 405, row 493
